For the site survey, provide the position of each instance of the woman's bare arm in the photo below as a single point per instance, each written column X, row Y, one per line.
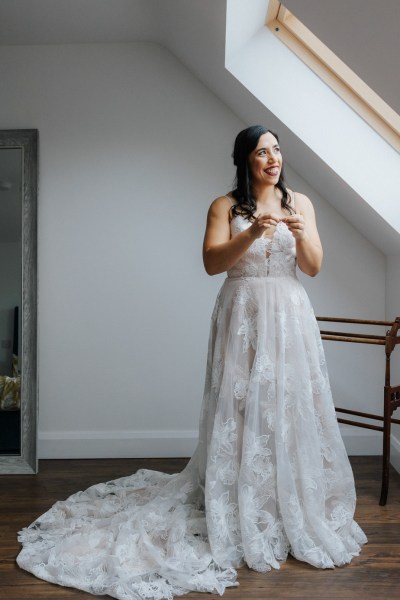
column 304, row 228
column 220, row 251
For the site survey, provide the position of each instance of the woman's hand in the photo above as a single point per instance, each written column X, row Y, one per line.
column 304, row 229
column 220, row 251
column 262, row 222
column 296, row 225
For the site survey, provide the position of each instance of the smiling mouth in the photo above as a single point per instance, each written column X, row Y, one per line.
column 272, row 171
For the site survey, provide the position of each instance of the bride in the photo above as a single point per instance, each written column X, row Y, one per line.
column 270, row 475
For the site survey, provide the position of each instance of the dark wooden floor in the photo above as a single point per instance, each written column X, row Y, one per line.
column 374, row 574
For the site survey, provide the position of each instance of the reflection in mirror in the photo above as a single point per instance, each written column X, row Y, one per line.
column 18, row 220
column 10, row 298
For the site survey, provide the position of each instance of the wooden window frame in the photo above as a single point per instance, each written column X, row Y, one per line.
column 334, row 72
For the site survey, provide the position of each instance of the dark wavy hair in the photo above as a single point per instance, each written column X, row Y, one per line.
column 245, row 143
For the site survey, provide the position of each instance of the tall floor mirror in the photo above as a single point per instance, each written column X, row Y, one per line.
column 18, row 300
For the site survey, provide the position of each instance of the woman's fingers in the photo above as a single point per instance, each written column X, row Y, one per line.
column 295, row 224
column 268, row 219
column 294, row 221
column 294, row 218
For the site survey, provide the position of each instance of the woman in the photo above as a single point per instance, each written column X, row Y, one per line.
column 270, row 474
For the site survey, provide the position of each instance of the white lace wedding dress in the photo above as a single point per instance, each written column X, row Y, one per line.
column 270, row 474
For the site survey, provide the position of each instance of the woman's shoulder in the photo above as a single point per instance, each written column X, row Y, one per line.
column 224, row 200
column 222, row 205
column 299, row 200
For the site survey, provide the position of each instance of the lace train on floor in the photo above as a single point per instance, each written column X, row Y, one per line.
column 270, row 474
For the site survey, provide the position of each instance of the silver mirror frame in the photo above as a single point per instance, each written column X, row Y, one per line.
column 26, row 462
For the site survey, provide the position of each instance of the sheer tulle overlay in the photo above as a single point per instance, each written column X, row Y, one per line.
column 270, row 474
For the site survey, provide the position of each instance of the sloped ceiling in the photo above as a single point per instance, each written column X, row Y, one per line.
column 194, row 30
column 364, row 34
column 77, row 21
column 346, row 26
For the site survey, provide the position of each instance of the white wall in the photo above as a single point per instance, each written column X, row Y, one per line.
column 132, row 150
column 392, row 311
column 350, row 284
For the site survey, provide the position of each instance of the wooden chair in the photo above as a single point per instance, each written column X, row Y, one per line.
column 391, row 393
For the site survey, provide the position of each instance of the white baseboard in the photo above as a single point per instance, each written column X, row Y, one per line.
column 116, row 444
column 365, row 442
column 395, row 453
column 166, row 444
column 361, row 442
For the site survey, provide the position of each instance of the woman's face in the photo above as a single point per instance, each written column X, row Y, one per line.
column 265, row 161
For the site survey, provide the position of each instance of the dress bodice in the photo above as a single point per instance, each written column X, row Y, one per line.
column 266, row 257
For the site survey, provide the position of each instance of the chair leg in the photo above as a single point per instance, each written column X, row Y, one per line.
column 386, row 447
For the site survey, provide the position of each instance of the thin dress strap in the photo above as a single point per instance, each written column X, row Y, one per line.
column 231, row 200
column 292, row 196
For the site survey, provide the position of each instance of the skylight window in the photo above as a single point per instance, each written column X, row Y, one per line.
column 334, row 72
